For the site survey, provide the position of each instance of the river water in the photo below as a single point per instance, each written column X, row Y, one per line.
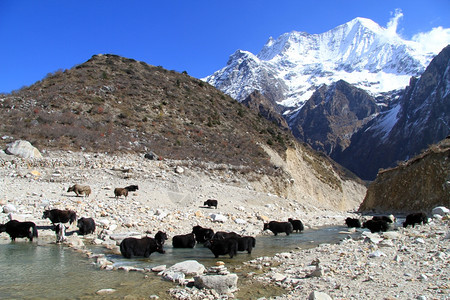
column 45, row 270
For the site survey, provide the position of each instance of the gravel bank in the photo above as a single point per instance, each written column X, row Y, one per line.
column 411, row 263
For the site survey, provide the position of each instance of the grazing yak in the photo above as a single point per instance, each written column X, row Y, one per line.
column 60, row 230
column 223, row 247
column 415, row 218
column 132, row 188
column 246, row 243
column 278, row 227
column 353, row 223
column 86, row 225
column 202, row 234
column 297, row 225
column 120, row 192
column 17, row 229
column 80, row 190
column 60, row 216
column 184, row 241
column 145, row 246
column 220, row 235
column 376, row 225
column 210, row 203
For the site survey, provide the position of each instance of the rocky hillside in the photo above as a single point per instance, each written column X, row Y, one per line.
column 417, row 119
column 112, row 104
column 420, row 184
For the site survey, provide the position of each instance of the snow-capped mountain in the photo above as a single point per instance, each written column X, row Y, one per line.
column 419, row 118
column 288, row 69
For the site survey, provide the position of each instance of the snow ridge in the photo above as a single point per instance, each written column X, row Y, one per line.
column 360, row 52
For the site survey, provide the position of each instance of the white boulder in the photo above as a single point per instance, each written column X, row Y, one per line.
column 218, row 218
column 9, row 208
column 23, row 149
column 440, row 210
column 188, row 268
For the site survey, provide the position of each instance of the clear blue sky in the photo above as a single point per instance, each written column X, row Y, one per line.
column 40, row 37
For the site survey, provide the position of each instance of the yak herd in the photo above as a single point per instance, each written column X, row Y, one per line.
column 220, row 242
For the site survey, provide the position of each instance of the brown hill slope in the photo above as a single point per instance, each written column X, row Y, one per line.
column 420, row 184
column 111, row 103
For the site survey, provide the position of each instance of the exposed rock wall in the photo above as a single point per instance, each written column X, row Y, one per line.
column 420, row 184
column 312, row 181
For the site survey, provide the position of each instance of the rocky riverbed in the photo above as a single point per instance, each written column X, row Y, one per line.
column 409, row 263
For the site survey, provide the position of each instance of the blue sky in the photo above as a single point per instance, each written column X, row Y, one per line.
column 40, row 37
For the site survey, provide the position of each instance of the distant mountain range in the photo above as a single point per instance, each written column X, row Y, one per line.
column 341, row 89
column 290, row 68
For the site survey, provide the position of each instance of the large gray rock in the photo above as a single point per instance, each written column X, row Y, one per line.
column 223, row 284
column 188, row 268
column 23, row 149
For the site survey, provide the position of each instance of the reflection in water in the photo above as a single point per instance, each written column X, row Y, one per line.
column 39, row 270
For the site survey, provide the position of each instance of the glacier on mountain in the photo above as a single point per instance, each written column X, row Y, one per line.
column 288, row 69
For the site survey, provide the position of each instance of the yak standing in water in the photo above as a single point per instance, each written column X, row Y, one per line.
column 184, row 241
column 202, row 234
column 17, row 229
column 145, row 246
column 222, row 247
column 278, row 227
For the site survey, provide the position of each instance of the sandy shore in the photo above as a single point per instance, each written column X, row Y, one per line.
column 408, row 264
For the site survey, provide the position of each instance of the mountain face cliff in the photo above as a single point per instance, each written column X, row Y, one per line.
column 417, row 119
column 420, row 184
column 290, row 68
column 331, row 116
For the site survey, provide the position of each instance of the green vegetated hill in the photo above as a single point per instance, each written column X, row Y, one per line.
column 116, row 104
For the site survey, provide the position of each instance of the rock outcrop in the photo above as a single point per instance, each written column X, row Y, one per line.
column 419, row 184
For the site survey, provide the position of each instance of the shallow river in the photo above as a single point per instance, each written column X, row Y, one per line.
column 44, row 270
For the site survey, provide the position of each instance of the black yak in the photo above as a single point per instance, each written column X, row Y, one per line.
column 376, row 225
column 17, row 229
column 145, row 246
column 353, row 223
column 86, row 225
column 415, row 218
column 210, row 202
column 297, row 225
column 202, row 234
column 278, row 227
column 184, row 241
column 223, row 247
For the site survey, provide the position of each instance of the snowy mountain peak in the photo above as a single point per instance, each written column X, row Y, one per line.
column 293, row 65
